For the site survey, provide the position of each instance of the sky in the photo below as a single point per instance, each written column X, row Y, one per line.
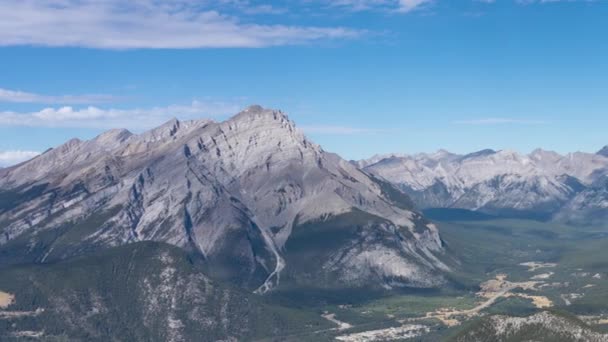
column 360, row 77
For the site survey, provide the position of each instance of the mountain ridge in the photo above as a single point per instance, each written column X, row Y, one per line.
column 233, row 191
column 496, row 182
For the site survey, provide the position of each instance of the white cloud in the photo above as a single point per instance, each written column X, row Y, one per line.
column 8, row 158
column 17, row 96
column 500, row 121
column 138, row 119
column 403, row 6
column 410, row 5
column 337, row 130
column 361, row 5
column 116, row 24
column 529, row 2
column 406, row 6
column 262, row 9
column 135, row 119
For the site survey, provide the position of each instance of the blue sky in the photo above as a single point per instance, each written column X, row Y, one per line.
column 359, row 76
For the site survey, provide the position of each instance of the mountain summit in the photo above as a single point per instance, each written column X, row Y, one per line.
column 252, row 196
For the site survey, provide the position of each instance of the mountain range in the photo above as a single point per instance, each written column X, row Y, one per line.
column 244, row 229
column 542, row 185
column 252, row 196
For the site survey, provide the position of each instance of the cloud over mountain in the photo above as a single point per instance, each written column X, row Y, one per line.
column 8, row 158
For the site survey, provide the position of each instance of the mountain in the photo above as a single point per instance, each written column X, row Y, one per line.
column 144, row 291
column 542, row 327
column 590, row 205
column 504, row 183
column 603, row 151
column 259, row 202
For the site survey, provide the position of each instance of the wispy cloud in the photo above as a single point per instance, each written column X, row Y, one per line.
column 135, row 119
column 403, row 6
column 8, row 158
column 410, row 5
column 500, row 121
column 18, row 96
column 262, row 9
column 406, row 6
column 116, row 24
column 529, row 2
column 337, row 130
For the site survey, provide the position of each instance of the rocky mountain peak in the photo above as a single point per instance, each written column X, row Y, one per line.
column 68, row 145
column 540, row 153
column 603, row 151
column 255, row 108
column 244, row 193
column 164, row 131
column 259, row 133
column 507, row 154
column 112, row 138
column 442, row 153
column 260, row 115
column 482, row 153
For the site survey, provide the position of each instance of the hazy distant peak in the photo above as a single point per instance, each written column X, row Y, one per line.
column 442, row 154
column 482, row 153
column 603, row 151
column 545, row 155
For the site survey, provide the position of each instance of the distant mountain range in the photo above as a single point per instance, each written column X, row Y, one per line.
column 542, row 185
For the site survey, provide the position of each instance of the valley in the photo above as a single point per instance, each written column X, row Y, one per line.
column 503, row 267
column 535, row 267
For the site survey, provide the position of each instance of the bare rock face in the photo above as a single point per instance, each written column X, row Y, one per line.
column 543, row 327
column 235, row 192
column 541, row 183
column 590, row 205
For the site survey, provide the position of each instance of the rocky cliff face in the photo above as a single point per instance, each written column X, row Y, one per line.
column 234, row 192
column 590, row 205
column 540, row 184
